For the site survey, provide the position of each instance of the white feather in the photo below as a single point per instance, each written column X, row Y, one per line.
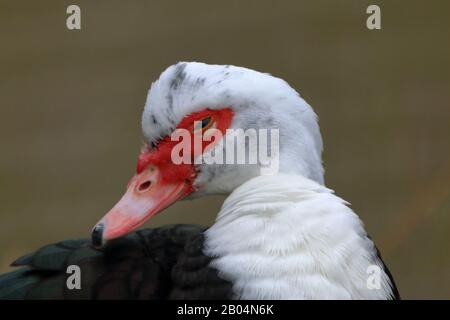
column 288, row 237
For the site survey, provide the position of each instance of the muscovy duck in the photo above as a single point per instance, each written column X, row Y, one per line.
column 279, row 235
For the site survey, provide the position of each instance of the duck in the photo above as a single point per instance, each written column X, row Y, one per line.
column 280, row 233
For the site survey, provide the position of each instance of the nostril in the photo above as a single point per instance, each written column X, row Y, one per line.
column 144, row 186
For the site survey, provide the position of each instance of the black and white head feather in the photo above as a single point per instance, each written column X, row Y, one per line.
column 258, row 100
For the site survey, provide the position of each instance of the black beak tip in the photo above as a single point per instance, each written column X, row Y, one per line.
column 97, row 235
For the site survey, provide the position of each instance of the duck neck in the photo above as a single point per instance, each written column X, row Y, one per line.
column 288, row 237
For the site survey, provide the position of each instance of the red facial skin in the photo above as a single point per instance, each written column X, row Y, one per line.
column 161, row 157
column 159, row 182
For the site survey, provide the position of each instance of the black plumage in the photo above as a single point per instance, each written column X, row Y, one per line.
column 159, row 263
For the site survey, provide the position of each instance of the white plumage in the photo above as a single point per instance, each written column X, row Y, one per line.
column 287, row 237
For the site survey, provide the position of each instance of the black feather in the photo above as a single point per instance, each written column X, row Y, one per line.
column 160, row 263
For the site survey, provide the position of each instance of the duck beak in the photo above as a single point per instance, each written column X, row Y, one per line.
column 146, row 195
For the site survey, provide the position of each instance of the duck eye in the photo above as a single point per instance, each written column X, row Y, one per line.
column 203, row 124
column 206, row 122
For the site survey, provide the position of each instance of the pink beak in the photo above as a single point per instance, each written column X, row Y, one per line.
column 146, row 195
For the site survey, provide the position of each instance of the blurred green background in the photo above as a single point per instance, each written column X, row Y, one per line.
column 71, row 103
